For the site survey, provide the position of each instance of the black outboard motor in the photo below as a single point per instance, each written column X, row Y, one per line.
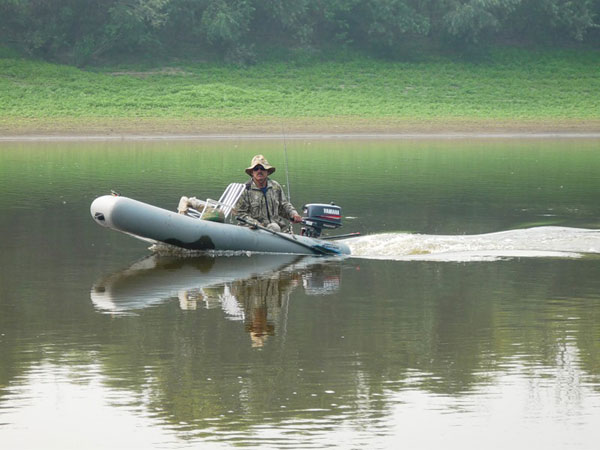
column 318, row 216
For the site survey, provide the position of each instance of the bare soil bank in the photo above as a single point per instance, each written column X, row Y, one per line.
column 14, row 129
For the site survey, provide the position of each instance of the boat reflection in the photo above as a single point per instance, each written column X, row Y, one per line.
column 254, row 290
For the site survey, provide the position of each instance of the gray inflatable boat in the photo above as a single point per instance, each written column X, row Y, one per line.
column 153, row 224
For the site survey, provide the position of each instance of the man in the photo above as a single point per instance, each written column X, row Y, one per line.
column 263, row 201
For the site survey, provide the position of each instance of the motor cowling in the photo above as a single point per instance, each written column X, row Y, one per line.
column 318, row 216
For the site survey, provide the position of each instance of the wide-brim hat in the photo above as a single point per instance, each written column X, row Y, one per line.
column 260, row 160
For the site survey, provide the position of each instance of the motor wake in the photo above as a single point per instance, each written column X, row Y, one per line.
column 544, row 242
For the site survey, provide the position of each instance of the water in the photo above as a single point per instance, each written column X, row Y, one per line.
column 467, row 317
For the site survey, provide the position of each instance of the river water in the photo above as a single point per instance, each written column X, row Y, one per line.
column 468, row 316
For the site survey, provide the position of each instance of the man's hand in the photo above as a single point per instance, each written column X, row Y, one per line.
column 296, row 218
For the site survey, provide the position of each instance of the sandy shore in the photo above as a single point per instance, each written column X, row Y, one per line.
column 277, row 128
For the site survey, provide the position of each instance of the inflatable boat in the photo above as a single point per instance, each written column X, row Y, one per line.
column 155, row 225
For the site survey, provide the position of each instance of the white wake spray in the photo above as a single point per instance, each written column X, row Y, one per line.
column 554, row 242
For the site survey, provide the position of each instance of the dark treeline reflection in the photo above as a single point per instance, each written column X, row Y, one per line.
column 278, row 337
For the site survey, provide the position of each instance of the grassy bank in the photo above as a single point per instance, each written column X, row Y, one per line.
column 511, row 91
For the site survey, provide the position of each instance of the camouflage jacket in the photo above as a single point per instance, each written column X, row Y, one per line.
column 254, row 206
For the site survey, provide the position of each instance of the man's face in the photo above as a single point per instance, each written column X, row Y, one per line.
column 259, row 175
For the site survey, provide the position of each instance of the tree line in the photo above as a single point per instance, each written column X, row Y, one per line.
column 86, row 31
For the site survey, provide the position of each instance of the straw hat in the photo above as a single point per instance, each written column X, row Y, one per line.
column 260, row 160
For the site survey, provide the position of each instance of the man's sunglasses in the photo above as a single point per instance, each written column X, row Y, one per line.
column 255, row 168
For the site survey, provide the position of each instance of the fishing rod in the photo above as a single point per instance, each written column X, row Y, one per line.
column 287, row 175
column 317, row 225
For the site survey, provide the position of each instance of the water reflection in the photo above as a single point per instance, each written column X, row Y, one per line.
column 253, row 290
column 429, row 341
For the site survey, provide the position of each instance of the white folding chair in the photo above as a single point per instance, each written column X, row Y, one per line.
column 225, row 204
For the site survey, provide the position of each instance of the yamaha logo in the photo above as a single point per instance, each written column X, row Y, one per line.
column 330, row 211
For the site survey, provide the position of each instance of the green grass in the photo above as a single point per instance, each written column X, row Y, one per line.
column 510, row 85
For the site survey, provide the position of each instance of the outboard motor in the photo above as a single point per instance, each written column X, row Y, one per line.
column 318, row 216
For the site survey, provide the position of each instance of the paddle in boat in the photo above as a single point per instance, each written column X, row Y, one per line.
column 207, row 229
